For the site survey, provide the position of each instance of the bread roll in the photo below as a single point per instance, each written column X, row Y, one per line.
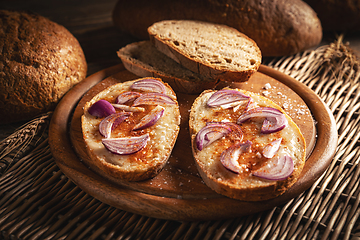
column 237, row 178
column 279, row 27
column 39, row 62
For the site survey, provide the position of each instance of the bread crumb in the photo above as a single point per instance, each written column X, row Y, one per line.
column 267, row 86
column 266, row 93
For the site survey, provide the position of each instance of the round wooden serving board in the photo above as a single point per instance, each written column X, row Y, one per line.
column 178, row 193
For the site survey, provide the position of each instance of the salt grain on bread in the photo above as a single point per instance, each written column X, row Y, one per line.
column 147, row 162
column 144, row 60
column 215, row 51
column 39, row 62
column 244, row 185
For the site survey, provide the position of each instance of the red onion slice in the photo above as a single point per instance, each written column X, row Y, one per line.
column 274, row 121
column 236, row 132
column 129, row 108
column 276, row 169
column 226, row 98
column 101, row 108
column 150, row 119
column 126, row 97
column 251, row 104
column 229, row 157
column 126, row 145
column 153, row 99
column 149, row 85
column 111, row 122
column 271, row 149
column 210, row 133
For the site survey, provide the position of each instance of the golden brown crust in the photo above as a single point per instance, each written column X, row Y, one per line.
column 257, row 192
column 280, row 27
column 113, row 173
column 40, row 61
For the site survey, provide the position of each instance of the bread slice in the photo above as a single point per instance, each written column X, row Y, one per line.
column 244, row 185
column 147, row 162
column 216, row 51
column 144, row 60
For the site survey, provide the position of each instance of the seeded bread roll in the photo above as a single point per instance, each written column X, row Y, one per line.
column 144, row 60
column 243, row 185
column 146, row 162
column 279, row 27
column 216, row 51
column 39, row 62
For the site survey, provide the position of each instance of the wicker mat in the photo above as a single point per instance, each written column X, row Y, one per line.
column 39, row 202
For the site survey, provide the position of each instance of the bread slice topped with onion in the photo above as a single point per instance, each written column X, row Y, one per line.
column 245, row 146
column 130, row 129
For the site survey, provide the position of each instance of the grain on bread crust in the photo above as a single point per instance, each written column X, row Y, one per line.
column 147, row 162
column 144, row 60
column 39, row 62
column 216, row 51
column 243, row 186
column 279, row 27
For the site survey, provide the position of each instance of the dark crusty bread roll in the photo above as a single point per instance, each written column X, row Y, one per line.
column 39, row 62
column 279, row 27
column 144, row 60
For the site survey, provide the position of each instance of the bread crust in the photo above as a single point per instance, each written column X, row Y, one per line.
column 279, row 27
column 39, row 62
column 240, row 186
column 201, row 64
column 144, row 60
column 142, row 165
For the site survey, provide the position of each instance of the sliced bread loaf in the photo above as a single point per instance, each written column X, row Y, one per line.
column 127, row 139
column 241, row 158
column 144, row 60
column 216, row 51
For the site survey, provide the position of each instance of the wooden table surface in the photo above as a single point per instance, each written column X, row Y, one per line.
column 90, row 21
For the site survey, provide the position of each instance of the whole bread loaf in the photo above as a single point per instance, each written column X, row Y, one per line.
column 279, row 27
column 230, row 164
column 40, row 61
column 215, row 51
column 144, row 60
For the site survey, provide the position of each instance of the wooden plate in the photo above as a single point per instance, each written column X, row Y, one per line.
column 178, row 192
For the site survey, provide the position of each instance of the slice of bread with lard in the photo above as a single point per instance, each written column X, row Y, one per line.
column 245, row 146
column 130, row 129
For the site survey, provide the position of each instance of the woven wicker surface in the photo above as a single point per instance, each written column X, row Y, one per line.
column 37, row 201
